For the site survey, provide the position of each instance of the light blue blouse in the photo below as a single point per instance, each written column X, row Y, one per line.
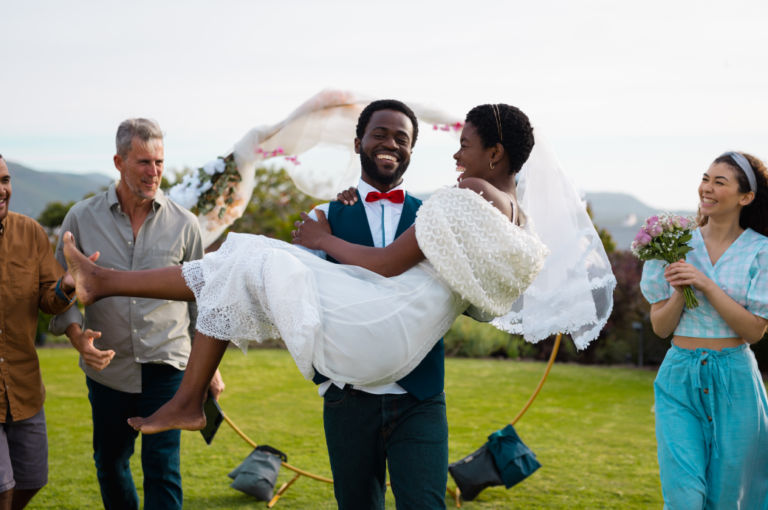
column 742, row 272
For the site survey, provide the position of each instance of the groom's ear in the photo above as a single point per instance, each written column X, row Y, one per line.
column 357, row 145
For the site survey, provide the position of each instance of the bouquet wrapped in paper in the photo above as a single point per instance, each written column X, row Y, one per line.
column 665, row 237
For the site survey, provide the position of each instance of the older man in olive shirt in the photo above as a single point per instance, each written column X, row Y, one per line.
column 133, row 351
column 30, row 279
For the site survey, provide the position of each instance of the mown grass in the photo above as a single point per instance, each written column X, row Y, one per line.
column 591, row 428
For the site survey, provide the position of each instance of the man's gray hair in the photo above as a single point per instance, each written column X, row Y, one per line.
column 147, row 130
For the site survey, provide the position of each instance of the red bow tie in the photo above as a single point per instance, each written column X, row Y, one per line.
column 395, row 196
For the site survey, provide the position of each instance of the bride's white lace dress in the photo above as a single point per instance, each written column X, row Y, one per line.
column 351, row 324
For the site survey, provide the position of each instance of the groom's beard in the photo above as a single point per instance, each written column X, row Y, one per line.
column 370, row 168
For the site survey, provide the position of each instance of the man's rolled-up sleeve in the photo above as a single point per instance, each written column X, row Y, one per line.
column 49, row 273
column 60, row 323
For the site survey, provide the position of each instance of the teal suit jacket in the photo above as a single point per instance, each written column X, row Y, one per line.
column 350, row 223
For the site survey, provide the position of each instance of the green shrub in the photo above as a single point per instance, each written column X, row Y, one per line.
column 274, row 207
column 471, row 339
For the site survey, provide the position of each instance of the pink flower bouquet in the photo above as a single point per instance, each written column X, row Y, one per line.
column 665, row 237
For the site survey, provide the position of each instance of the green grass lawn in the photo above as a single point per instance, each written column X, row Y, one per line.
column 591, row 428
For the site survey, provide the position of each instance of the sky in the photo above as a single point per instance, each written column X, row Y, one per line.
column 637, row 97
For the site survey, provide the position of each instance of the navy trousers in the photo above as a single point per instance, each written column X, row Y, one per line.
column 114, row 439
column 366, row 432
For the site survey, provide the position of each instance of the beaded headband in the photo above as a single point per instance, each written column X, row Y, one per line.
column 740, row 160
column 496, row 114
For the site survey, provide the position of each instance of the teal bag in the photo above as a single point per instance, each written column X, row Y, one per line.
column 503, row 460
column 515, row 461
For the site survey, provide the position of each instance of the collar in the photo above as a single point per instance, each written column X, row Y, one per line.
column 364, row 188
column 159, row 201
column 2, row 223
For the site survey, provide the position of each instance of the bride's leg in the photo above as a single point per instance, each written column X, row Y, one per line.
column 94, row 282
column 185, row 410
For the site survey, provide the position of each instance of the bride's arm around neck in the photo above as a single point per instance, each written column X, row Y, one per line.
column 402, row 254
column 392, row 260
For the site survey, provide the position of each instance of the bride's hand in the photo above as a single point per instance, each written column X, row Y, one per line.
column 309, row 232
column 348, row 196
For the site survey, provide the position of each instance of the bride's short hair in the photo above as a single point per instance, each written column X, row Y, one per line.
column 386, row 104
column 508, row 126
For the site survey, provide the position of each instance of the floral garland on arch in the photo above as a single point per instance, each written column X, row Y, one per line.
column 213, row 191
column 456, row 126
column 211, row 187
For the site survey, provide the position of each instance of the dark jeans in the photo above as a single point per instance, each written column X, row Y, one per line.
column 113, row 442
column 366, row 432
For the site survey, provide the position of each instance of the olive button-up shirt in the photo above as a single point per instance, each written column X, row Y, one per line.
column 28, row 276
column 139, row 330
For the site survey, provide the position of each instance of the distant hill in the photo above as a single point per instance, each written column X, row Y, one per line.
column 611, row 209
column 32, row 189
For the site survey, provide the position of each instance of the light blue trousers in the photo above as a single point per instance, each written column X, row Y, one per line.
column 712, row 430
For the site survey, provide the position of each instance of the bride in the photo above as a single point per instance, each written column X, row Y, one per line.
column 370, row 322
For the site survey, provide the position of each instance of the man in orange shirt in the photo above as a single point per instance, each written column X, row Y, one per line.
column 30, row 279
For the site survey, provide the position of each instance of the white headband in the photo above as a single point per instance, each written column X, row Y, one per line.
column 744, row 165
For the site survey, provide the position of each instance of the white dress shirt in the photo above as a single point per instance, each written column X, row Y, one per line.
column 383, row 220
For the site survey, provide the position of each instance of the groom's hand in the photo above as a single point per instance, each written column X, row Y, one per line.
column 309, row 232
column 348, row 197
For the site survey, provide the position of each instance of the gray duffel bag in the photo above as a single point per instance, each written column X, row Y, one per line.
column 257, row 474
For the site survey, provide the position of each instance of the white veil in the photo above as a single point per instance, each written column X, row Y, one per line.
column 574, row 292
column 572, row 295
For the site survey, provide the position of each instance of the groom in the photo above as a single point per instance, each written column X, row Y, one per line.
column 401, row 424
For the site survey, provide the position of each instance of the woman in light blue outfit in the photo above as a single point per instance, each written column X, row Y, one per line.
column 711, row 406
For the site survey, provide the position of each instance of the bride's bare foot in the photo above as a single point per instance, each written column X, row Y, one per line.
column 172, row 415
column 83, row 271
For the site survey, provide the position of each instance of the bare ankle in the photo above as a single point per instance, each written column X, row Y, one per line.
column 188, row 401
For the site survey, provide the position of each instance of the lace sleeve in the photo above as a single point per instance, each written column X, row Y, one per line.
column 477, row 250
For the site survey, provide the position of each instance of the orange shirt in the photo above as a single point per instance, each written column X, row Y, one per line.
column 28, row 275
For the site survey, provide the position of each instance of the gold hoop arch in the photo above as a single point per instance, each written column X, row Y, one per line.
column 455, row 493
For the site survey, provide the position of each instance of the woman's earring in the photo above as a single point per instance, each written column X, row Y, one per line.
column 491, row 165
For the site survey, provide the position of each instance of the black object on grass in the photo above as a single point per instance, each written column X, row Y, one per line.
column 503, row 460
column 257, row 474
